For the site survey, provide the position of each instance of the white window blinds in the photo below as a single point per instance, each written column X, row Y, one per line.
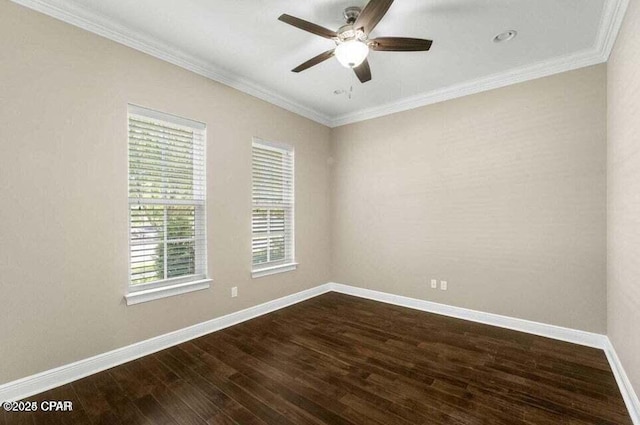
column 273, row 205
column 166, row 199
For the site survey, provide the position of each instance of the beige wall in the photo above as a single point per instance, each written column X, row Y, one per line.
column 63, row 186
column 623, row 174
column 502, row 194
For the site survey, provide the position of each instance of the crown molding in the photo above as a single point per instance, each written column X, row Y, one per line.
column 610, row 23
column 97, row 24
column 495, row 81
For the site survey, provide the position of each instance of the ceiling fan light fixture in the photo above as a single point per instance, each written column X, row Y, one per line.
column 351, row 53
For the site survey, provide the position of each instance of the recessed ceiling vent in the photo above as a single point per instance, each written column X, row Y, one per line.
column 505, row 36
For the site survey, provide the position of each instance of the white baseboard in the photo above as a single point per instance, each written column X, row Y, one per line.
column 35, row 384
column 542, row 329
column 43, row 381
column 628, row 394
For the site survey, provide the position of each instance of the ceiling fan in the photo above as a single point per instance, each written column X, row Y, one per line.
column 352, row 40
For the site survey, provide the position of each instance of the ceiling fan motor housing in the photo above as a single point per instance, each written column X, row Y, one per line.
column 348, row 32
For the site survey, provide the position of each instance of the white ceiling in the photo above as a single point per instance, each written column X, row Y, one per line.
column 241, row 43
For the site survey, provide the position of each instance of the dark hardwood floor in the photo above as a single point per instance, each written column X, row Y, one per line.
column 337, row 359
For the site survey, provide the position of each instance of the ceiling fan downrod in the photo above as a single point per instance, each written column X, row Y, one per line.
column 351, row 14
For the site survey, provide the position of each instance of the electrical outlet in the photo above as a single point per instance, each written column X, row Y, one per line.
column 443, row 285
column 434, row 284
column 234, row 292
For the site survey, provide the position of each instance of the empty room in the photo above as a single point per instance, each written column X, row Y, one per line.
column 352, row 212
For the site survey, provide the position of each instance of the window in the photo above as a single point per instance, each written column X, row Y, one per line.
column 167, row 238
column 273, row 208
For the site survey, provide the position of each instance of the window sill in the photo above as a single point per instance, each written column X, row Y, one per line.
column 273, row 270
column 138, row 297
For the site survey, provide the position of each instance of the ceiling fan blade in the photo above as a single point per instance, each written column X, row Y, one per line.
column 314, row 61
column 400, row 44
column 307, row 26
column 363, row 71
column 372, row 14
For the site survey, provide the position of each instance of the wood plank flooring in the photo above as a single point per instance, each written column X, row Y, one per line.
column 337, row 359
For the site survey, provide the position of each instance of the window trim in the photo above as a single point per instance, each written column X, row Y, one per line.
column 289, row 264
column 267, row 271
column 156, row 293
column 143, row 292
